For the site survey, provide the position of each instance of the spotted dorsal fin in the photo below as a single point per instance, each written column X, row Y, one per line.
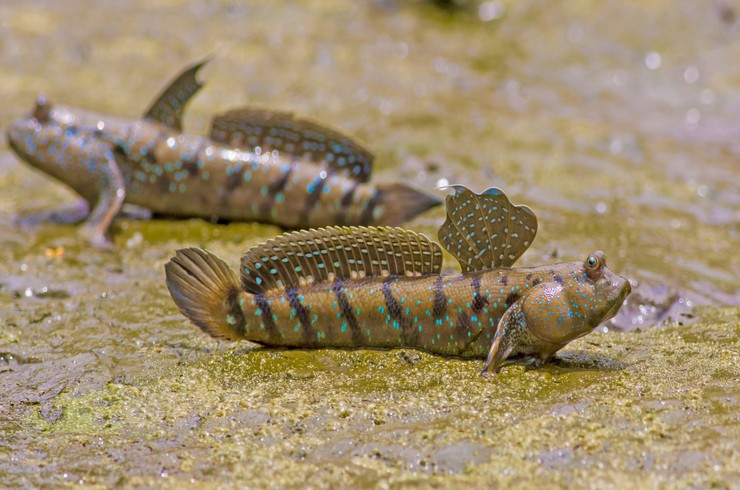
column 282, row 131
column 486, row 230
column 325, row 254
column 168, row 107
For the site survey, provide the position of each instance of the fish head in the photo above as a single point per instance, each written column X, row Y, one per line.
column 572, row 299
column 61, row 142
column 585, row 295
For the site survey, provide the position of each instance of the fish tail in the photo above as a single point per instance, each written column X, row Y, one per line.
column 401, row 203
column 206, row 291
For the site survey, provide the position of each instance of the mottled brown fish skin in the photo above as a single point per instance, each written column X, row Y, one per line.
column 452, row 315
column 186, row 175
column 172, row 173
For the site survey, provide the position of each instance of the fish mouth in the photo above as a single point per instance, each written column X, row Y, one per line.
column 15, row 134
column 619, row 301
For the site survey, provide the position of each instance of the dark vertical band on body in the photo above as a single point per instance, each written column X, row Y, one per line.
column 313, row 197
column 511, row 299
column 236, row 312
column 346, row 202
column 367, row 214
column 302, row 313
column 439, row 310
column 273, row 189
column 267, row 319
column 479, row 301
column 345, row 309
column 395, row 311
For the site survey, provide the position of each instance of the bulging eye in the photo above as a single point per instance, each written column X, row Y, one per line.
column 593, row 264
column 41, row 110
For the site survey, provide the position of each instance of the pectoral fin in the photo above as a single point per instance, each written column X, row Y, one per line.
column 509, row 328
column 110, row 200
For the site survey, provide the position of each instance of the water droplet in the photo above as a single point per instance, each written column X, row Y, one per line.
column 692, row 118
column 691, row 74
column 707, row 96
column 28, row 292
column 702, row 190
column 442, row 183
column 488, row 11
column 652, row 60
column 441, row 65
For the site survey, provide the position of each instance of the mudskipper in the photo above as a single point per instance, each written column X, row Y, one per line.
column 353, row 287
column 256, row 165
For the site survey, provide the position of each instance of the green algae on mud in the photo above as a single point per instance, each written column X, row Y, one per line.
column 651, row 407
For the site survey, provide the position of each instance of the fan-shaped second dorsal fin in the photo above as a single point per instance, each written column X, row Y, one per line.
column 485, row 230
column 310, row 256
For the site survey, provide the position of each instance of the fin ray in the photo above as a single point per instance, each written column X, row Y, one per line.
column 323, row 254
column 205, row 289
column 285, row 132
column 486, row 230
column 168, row 107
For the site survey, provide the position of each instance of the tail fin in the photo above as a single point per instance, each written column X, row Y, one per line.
column 403, row 203
column 206, row 291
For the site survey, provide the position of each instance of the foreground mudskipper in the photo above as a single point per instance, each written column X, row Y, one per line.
column 365, row 287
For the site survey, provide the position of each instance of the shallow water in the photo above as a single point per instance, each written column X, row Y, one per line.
column 616, row 123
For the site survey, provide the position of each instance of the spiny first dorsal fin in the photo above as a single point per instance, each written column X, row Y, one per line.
column 484, row 231
column 310, row 256
column 168, row 107
column 249, row 127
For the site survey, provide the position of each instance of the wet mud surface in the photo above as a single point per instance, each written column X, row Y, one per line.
column 616, row 123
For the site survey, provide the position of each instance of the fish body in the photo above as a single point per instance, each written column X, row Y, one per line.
column 382, row 288
column 256, row 165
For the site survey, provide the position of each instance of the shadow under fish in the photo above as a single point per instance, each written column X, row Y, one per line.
column 256, row 165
